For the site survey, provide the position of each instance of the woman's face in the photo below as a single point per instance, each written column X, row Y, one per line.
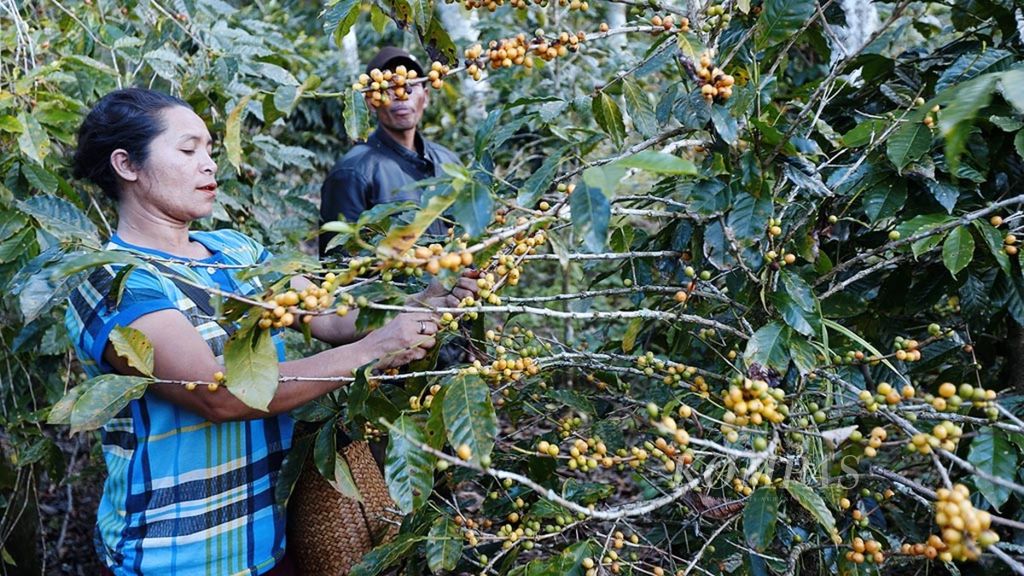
column 178, row 180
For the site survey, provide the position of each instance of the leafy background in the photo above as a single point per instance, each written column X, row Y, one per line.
column 887, row 215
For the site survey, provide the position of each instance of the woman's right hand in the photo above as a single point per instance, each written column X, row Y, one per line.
column 406, row 338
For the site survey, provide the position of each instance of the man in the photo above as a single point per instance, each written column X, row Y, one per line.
column 395, row 156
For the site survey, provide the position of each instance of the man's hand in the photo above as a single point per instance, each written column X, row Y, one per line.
column 436, row 296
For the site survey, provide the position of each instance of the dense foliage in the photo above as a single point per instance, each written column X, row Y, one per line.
column 755, row 299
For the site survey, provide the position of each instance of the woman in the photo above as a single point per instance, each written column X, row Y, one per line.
column 191, row 477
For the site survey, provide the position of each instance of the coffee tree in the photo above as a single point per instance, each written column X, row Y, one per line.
column 750, row 295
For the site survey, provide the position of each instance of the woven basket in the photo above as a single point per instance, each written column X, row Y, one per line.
column 329, row 533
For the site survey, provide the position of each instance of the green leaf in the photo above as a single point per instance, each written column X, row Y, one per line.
column 292, row 466
column 749, row 216
column 444, row 545
column 639, row 108
column 11, row 124
column 799, row 290
column 1009, row 86
column 920, row 224
column 469, row 416
column 325, row 450
column 474, row 208
column 860, row 341
column 1018, row 143
column 540, row 180
column 759, row 517
column 357, row 117
column 956, row 120
column 60, row 218
column 793, row 315
column 944, row 193
column 33, row 141
column 250, row 363
column 342, row 480
column 725, row 124
column 103, row 397
column 60, row 413
column 659, row 163
column 339, row 18
column 590, row 215
column 690, row 46
column 385, row 555
column 992, row 453
column 813, row 504
column 780, row 19
column 408, row 469
column 769, row 346
column 908, row 143
column 402, row 238
column 692, row 110
column 994, row 240
column 804, row 355
column 134, row 347
column 437, row 42
column 609, row 117
column 40, row 178
column 233, row 133
column 885, row 199
column 864, row 133
column 17, row 245
column 958, row 249
column 972, row 65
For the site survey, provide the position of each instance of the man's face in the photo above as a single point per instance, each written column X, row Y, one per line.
column 403, row 115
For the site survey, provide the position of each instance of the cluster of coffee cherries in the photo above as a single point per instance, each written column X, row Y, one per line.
column 434, row 258
column 490, row 5
column 504, row 369
column 518, row 531
column 751, row 402
column 218, row 381
column 514, row 357
column 415, row 403
column 509, row 262
column 887, row 394
column 715, row 84
column 944, row 435
column 508, row 52
column 951, row 397
column 671, row 373
column 933, row 112
column 964, row 531
column 668, row 23
column 287, row 304
column 581, row 458
column 1010, row 245
column 780, row 258
column 473, row 54
column 873, row 441
column 669, row 450
column 468, row 527
column 906, row 349
column 520, row 50
column 378, row 82
column 862, row 551
column 612, row 558
column 746, row 488
column 437, row 73
column 1009, row 241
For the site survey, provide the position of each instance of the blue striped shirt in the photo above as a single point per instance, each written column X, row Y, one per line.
column 183, row 495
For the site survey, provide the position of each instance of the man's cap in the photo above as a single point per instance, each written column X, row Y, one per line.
column 390, row 56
